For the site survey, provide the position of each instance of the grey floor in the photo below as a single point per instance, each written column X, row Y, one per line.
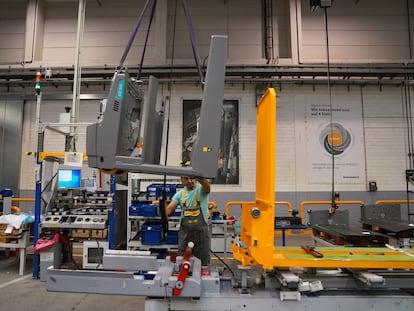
column 21, row 293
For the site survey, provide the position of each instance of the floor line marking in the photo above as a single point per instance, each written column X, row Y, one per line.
column 15, row 281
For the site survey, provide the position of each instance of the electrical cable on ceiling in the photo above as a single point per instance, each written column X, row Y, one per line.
column 170, row 82
column 196, row 59
column 167, row 135
column 334, row 206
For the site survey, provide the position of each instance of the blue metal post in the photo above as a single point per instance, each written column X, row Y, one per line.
column 38, row 177
column 35, row 262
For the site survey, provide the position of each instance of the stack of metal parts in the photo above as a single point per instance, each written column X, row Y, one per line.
column 387, row 219
column 336, row 230
column 77, row 209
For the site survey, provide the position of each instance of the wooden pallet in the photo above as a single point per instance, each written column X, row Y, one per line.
column 397, row 229
column 11, row 237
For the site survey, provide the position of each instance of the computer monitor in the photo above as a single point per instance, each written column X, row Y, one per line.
column 69, row 178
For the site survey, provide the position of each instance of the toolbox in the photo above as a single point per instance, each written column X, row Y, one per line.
column 151, row 233
column 143, row 209
column 156, row 190
column 171, row 237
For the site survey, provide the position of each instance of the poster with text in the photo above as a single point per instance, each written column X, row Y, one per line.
column 335, row 140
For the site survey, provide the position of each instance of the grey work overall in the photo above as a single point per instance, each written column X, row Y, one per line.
column 194, row 228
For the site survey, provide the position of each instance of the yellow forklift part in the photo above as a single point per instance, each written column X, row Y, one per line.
column 257, row 220
column 334, row 257
column 256, row 242
column 44, row 155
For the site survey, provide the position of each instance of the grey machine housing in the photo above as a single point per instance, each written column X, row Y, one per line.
column 110, row 142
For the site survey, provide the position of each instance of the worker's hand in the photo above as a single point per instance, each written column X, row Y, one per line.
column 205, row 185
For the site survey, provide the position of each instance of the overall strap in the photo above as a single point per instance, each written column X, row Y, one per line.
column 196, row 203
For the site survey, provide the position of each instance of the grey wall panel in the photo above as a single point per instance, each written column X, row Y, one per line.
column 362, row 31
column 12, row 27
column 359, row 31
column 11, row 122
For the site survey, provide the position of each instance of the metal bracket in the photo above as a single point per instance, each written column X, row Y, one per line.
column 287, row 295
column 288, row 279
column 369, row 278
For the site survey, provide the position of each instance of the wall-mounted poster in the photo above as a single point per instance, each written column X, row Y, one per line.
column 335, row 141
column 228, row 157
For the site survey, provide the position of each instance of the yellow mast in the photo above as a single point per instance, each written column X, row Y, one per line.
column 256, row 246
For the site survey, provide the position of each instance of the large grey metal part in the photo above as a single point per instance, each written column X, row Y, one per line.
column 118, row 129
column 203, row 289
column 106, row 140
column 153, row 127
column 341, row 290
column 381, row 211
column 341, row 217
column 270, row 301
column 131, row 282
column 204, row 154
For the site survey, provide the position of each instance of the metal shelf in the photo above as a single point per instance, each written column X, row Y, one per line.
column 135, row 182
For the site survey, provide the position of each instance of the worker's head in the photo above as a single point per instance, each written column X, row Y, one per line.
column 188, row 181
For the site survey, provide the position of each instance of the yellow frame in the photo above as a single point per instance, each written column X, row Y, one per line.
column 47, row 154
column 256, row 245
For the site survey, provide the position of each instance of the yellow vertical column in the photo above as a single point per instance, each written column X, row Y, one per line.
column 262, row 215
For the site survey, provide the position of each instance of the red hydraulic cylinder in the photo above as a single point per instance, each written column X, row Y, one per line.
column 185, row 268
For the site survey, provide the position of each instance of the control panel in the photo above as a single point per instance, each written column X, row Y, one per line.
column 77, row 209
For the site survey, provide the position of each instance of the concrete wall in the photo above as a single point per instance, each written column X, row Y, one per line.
column 43, row 33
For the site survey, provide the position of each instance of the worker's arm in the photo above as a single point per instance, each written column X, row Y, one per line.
column 205, row 185
column 170, row 207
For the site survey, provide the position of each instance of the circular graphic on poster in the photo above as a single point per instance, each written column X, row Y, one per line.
column 335, row 138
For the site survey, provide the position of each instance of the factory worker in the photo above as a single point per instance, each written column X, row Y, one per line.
column 193, row 200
